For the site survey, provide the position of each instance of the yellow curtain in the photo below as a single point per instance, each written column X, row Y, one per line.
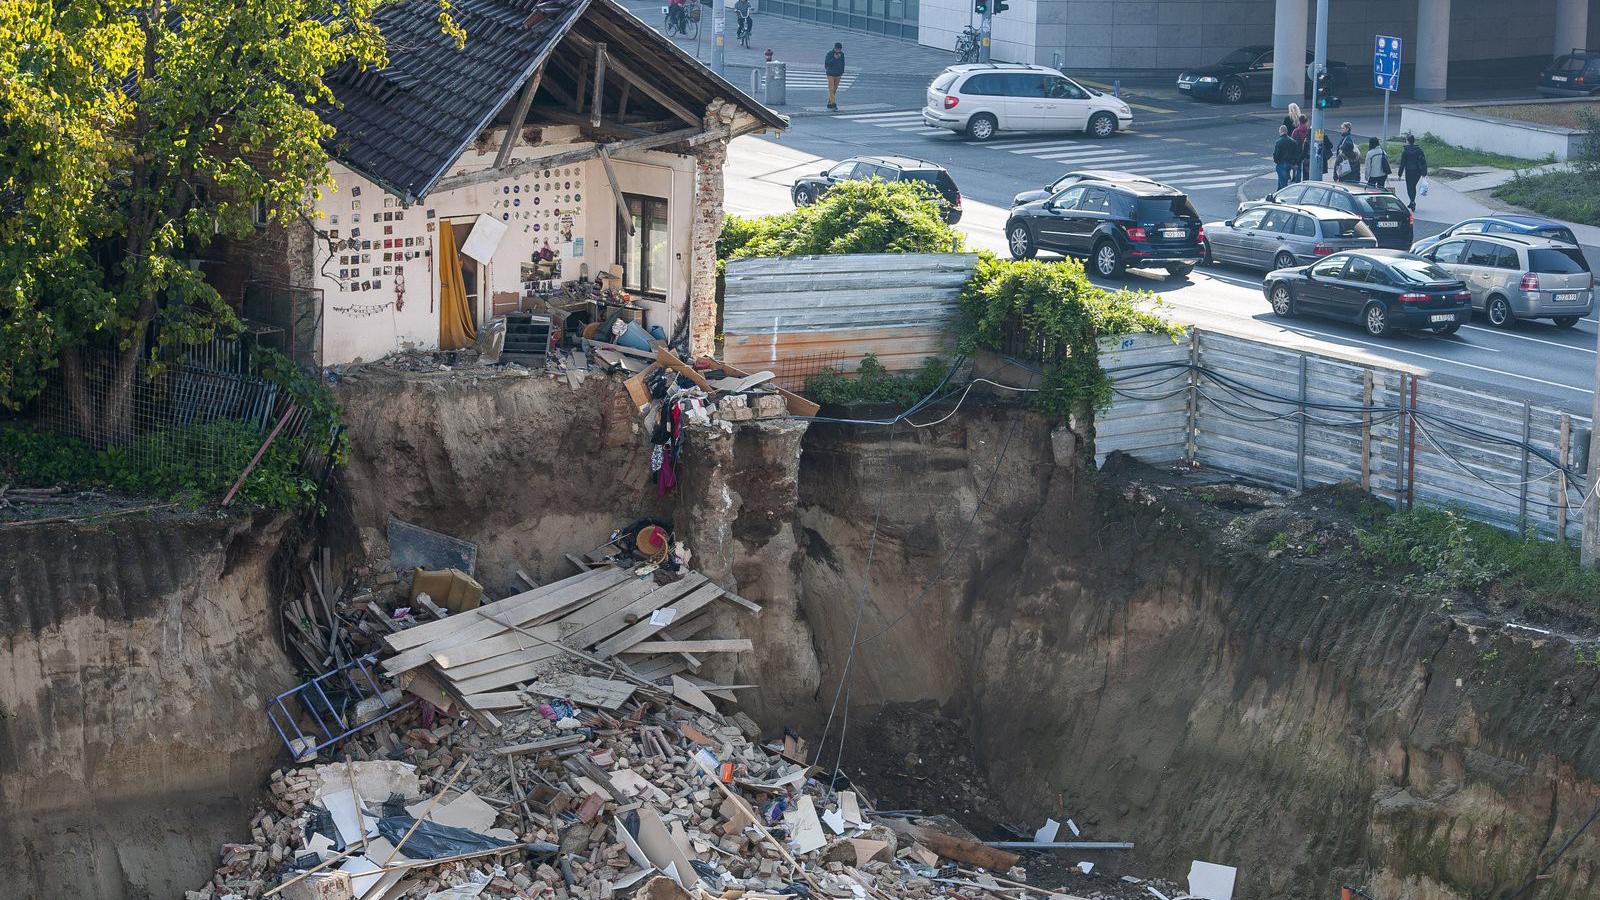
column 455, row 319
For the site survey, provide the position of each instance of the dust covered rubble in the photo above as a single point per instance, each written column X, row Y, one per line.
column 535, row 810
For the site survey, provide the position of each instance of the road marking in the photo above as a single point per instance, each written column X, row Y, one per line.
column 867, row 117
column 1445, row 360
column 1216, row 183
column 1524, row 337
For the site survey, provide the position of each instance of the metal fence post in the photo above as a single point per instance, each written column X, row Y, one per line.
column 1191, row 437
column 1561, row 477
column 1522, row 491
column 1300, row 442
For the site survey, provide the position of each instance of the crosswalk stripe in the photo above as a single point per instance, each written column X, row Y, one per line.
column 868, row 117
column 1067, row 149
column 1034, row 145
column 1103, row 156
column 1209, row 183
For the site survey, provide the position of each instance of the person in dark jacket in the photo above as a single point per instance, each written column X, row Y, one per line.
column 1285, row 155
column 833, row 66
column 1413, row 166
column 1302, row 136
column 1349, row 157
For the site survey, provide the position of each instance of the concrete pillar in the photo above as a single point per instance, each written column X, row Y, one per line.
column 1289, row 51
column 1433, row 50
column 1572, row 25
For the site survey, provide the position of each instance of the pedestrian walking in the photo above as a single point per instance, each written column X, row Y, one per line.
column 1348, row 168
column 1291, row 117
column 833, row 66
column 1302, row 136
column 1413, row 166
column 1377, row 165
column 1285, row 155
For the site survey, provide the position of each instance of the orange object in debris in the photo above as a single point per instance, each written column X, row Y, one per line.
column 652, row 541
column 727, row 773
column 1344, row 894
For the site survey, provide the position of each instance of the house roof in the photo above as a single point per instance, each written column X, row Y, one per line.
column 403, row 126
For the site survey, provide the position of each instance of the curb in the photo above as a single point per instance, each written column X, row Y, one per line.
column 1239, row 192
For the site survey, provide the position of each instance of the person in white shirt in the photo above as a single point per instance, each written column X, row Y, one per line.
column 1376, row 168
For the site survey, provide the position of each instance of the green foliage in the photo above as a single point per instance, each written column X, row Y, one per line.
column 1587, row 161
column 1062, row 314
column 872, row 383
column 1442, row 154
column 1450, row 552
column 131, row 136
column 1279, row 542
column 873, row 216
column 1565, row 195
column 31, row 458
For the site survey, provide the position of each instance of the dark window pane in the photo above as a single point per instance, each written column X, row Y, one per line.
column 1557, row 262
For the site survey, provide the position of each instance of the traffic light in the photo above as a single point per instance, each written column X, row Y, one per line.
column 1323, row 96
column 1000, row 6
column 981, row 7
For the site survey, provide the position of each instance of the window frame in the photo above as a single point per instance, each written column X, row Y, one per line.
column 645, row 285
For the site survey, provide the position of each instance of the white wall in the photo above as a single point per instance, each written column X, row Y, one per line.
column 373, row 307
column 939, row 22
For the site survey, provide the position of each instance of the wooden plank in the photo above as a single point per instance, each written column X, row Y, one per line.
column 737, row 600
column 475, row 625
column 798, row 405
column 501, row 678
column 518, row 117
column 643, row 629
column 666, row 358
column 735, row 645
column 497, row 700
column 599, row 84
column 578, row 562
column 477, row 651
column 421, row 634
column 688, row 693
column 532, row 652
column 617, row 619
column 613, row 602
column 659, row 667
column 549, row 743
column 637, row 392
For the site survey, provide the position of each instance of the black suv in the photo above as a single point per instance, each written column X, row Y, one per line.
column 1575, row 74
column 808, row 188
column 1383, row 212
column 1114, row 224
column 1245, row 74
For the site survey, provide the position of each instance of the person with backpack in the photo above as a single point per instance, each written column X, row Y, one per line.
column 1348, row 167
column 1377, row 165
column 1413, row 166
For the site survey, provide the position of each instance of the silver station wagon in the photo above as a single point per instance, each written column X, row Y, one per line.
column 1515, row 277
column 1280, row 237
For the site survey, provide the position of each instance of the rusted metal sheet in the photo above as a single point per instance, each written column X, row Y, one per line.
column 896, row 306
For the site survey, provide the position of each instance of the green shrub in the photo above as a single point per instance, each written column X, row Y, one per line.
column 1063, row 316
column 1569, row 196
column 31, row 458
column 872, row 383
column 873, row 216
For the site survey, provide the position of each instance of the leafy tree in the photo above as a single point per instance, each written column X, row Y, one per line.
column 873, row 216
column 130, row 137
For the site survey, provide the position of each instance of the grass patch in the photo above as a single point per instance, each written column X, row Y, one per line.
column 1446, row 551
column 1568, row 114
column 1569, row 196
column 872, row 383
column 1442, row 154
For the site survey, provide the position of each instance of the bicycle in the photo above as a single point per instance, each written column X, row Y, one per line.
column 747, row 24
column 967, row 44
column 686, row 23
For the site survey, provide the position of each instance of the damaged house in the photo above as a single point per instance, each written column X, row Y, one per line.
column 566, row 143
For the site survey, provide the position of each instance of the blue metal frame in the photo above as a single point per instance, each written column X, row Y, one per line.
column 311, row 696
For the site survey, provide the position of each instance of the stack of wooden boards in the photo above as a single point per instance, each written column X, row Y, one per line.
column 495, row 656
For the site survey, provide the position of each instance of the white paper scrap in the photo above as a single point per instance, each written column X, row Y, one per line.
column 835, row 820
column 1047, row 832
column 663, row 617
column 1157, row 893
column 1210, row 881
column 1086, row 867
column 850, row 808
column 807, row 834
column 1074, row 826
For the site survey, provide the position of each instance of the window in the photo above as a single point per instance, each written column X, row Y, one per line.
column 1568, row 65
column 1506, row 258
column 1330, row 268
column 1450, row 251
column 1264, row 61
column 1316, row 197
column 1418, row 271
column 1277, row 220
column 1498, row 228
column 985, row 86
column 1068, row 198
column 1481, row 253
column 1557, row 233
column 842, row 170
column 1469, row 228
column 1061, row 89
column 1095, row 200
column 1305, row 227
column 644, row 265
column 885, row 172
column 1293, row 194
column 1167, row 209
column 1362, row 270
column 259, row 218
column 943, row 82
column 1557, row 262
column 1238, row 58
column 1029, row 84
column 1250, row 219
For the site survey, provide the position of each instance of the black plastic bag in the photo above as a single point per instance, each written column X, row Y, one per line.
column 434, row 841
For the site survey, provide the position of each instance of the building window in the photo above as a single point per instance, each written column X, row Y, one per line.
column 258, row 213
column 646, row 250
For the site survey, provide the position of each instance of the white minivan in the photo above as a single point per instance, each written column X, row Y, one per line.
column 981, row 99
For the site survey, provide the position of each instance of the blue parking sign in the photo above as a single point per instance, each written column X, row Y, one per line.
column 1386, row 63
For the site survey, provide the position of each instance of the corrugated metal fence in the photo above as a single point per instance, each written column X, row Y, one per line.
column 1297, row 419
column 780, row 312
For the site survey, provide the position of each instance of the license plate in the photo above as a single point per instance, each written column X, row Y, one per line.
column 1174, row 232
column 1388, row 224
column 1566, row 298
column 1184, row 86
column 1443, row 317
column 1558, row 78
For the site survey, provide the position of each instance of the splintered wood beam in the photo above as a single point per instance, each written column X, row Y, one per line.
column 599, row 84
column 616, row 192
column 518, row 117
column 583, row 82
column 644, row 85
column 563, row 157
column 622, row 104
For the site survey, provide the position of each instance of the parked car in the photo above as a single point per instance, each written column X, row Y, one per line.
column 1391, row 222
column 1273, row 237
column 1575, row 74
column 1382, row 290
column 1072, row 178
column 1244, row 74
column 1114, row 224
column 808, row 188
column 1519, row 277
column 1508, row 223
column 983, row 99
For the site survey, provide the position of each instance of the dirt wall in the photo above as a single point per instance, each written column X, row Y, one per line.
column 1145, row 664
column 136, row 660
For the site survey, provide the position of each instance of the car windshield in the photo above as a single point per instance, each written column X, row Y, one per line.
column 936, row 177
column 1568, row 64
column 1385, row 203
column 1418, row 271
column 943, row 82
column 1238, row 58
column 1557, row 262
column 1164, row 209
column 1346, row 228
column 1557, row 233
column 1065, row 181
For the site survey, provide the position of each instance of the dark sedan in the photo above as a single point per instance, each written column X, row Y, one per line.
column 1381, row 290
column 810, row 188
column 1072, row 178
column 1244, row 74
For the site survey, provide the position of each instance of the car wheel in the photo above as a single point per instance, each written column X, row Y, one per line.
column 1448, row 330
column 1107, row 260
column 981, row 127
column 1566, row 321
column 802, row 195
column 1284, row 260
column 1102, row 125
column 1375, row 318
column 1178, row 270
column 1282, row 299
column 1233, row 92
column 1498, row 312
column 1021, row 242
column 952, row 217
column 1206, row 259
